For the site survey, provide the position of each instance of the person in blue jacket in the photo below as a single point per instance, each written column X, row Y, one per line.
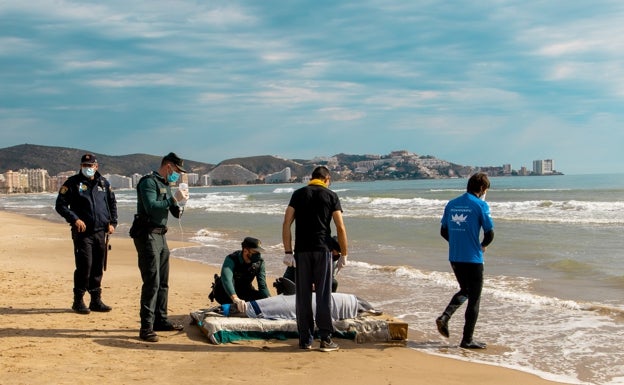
column 463, row 219
column 88, row 204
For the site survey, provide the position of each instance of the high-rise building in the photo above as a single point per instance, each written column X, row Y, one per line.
column 543, row 167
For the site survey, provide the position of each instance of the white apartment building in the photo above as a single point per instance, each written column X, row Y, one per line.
column 543, row 167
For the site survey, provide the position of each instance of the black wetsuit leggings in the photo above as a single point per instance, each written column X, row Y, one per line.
column 470, row 279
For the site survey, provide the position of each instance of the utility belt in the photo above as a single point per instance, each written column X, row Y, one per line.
column 159, row 230
column 141, row 227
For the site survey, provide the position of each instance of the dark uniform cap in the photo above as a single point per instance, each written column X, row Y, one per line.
column 88, row 159
column 173, row 158
column 253, row 244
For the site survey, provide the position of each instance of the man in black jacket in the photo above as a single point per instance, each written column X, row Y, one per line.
column 88, row 204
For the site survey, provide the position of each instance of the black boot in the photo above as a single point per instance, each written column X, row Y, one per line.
column 79, row 306
column 442, row 324
column 96, row 301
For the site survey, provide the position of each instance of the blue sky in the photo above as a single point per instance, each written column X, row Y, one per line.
column 477, row 83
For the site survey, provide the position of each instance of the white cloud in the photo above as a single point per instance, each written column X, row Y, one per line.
column 342, row 114
column 441, row 76
column 93, row 64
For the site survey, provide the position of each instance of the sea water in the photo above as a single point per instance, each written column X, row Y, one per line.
column 553, row 299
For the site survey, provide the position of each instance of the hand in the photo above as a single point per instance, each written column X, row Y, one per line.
column 241, row 306
column 341, row 262
column 81, row 227
column 289, row 260
column 181, row 196
column 111, row 229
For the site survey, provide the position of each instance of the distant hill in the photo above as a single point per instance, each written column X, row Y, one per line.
column 394, row 166
column 59, row 159
column 267, row 164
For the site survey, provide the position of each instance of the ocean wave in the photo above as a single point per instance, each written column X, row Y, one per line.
column 616, row 313
column 370, row 205
column 516, row 289
column 283, row 190
column 570, row 266
column 571, row 211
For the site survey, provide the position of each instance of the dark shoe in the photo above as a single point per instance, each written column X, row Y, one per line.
column 148, row 335
column 96, row 303
column 306, row 347
column 168, row 326
column 79, row 306
column 472, row 345
column 100, row 306
column 442, row 324
column 328, row 345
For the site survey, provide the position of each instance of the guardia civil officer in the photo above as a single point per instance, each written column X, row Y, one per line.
column 88, row 204
column 154, row 203
column 238, row 272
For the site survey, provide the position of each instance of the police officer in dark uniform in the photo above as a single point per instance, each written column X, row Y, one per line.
column 88, row 204
column 238, row 271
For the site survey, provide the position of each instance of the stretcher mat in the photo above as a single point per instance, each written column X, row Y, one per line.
column 366, row 328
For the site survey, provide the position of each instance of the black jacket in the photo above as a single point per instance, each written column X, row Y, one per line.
column 92, row 201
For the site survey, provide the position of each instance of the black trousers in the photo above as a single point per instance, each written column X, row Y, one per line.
column 470, row 279
column 314, row 268
column 291, row 274
column 89, row 250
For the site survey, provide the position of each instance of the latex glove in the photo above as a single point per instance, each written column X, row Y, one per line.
column 289, row 260
column 181, row 196
column 341, row 262
column 241, row 306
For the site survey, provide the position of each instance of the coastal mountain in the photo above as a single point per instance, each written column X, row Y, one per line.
column 59, row 159
column 396, row 165
column 267, row 164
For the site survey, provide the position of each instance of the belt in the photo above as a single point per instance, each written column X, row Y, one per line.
column 159, row 230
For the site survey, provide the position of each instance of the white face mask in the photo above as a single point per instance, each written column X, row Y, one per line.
column 89, row 172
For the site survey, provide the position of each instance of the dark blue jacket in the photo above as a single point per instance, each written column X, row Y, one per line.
column 92, row 201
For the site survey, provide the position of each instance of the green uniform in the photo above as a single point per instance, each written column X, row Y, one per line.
column 237, row 277
column 154, row 202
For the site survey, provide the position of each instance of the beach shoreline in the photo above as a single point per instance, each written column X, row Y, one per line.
column 44, row 341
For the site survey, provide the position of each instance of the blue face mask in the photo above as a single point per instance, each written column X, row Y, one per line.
column 173, row 177
column 89, row 172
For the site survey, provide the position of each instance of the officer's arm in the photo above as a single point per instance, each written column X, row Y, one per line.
column 62, row 205
column 112, row 205
column 261, row 278
column 149, row 196
column 227, row 276
column 174, row 209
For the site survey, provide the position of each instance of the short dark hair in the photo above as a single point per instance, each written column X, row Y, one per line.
column 321, row 172
column 478, row 183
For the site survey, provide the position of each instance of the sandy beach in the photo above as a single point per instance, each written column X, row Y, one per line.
column 42, row 341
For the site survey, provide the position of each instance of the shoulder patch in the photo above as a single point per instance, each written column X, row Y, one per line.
column 63, row 190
